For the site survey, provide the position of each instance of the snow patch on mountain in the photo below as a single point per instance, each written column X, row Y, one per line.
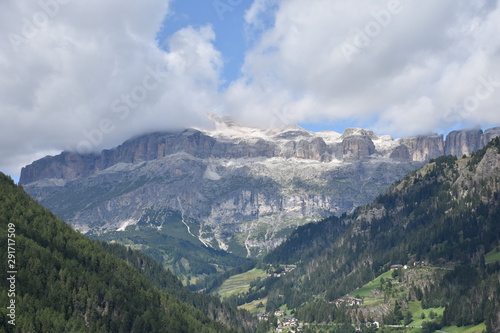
column 125, row 224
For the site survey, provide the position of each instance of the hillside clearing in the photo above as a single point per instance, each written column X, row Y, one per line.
column 240, row 283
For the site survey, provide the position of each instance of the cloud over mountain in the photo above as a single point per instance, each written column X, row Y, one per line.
column 88, row 75
column 408, row 66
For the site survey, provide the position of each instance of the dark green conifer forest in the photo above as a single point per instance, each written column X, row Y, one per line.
column 68, row 283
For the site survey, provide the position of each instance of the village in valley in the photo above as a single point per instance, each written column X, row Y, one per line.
column 386, row 288
column 285, row 323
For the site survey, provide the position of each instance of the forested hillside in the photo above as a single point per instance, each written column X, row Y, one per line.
column 445, row 215
column 163, row 279
column 60, row 281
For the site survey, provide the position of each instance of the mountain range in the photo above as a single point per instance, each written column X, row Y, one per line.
column 233, row 188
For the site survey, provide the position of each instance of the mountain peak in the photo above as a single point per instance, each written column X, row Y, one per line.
column 358, row 131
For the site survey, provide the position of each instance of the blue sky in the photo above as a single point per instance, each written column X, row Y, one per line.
column 227, row 21
column 87, row 75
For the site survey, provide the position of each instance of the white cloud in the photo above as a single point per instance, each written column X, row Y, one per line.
column 260, row 13
column 90, row 74
column 411, row 58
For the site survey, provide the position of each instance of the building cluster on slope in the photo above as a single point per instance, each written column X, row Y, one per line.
column 278, row 275
column 349, row 301
column 288, row 325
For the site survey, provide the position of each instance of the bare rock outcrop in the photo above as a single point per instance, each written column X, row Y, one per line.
column 424, row 147
column 357, row 147
column 463, row 142
column 238, row 189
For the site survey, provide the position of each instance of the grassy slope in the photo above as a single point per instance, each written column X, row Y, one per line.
column 253, row 308
column 416, row 309
column 465, row 329
column 367, row 289
column 493, row 256
column 240, row 283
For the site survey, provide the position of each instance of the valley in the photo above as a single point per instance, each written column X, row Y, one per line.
column 439, row 224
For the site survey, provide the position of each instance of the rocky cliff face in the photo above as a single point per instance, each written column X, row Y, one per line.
column 489, row 134
column 354, row 144
column 424, row 147
column 464, row 142
column 358, row 147
column 238, row 189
